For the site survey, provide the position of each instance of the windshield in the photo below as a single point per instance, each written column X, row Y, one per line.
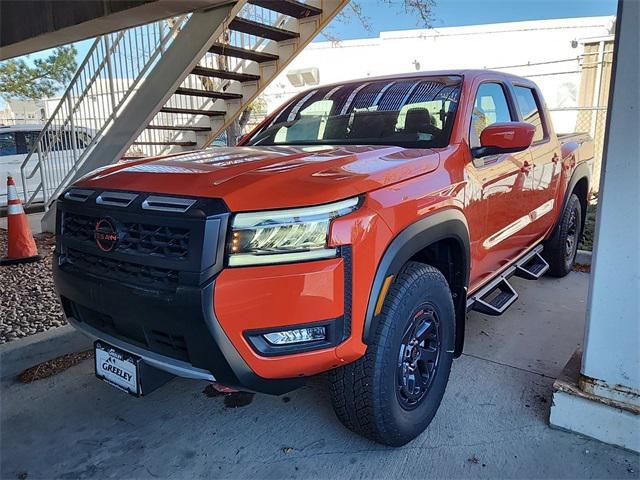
column 411, row 113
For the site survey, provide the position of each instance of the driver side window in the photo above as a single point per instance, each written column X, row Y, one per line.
column 490, row 106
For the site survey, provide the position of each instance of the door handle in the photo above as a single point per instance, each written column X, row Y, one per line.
column 555, row 158
column 526, row 167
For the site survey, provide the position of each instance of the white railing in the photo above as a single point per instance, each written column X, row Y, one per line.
column 209, row 60
column 113, row 69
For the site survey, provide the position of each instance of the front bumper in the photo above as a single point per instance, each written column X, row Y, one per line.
column 156, row 288
column 175, row 332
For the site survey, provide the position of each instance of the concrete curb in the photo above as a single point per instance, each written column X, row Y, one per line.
column 21, row 354
column 583, row 257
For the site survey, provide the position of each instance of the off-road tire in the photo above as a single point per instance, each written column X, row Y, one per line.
column 365, row 394
column 557, row 252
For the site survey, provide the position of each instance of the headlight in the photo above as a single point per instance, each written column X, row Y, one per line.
column 280, row 236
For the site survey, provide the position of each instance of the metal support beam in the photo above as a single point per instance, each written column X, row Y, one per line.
column 612, row 339
column 602, row 400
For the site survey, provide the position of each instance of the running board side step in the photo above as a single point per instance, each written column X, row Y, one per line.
column 499, row 294
column 532, row 266
column 495, row 298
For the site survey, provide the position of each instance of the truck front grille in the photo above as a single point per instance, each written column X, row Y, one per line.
column 154, row 248
column 137, row 238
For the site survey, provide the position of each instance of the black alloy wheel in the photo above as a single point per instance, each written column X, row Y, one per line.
column 418, row 357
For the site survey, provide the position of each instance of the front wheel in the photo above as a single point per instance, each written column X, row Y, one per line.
column 392, row 393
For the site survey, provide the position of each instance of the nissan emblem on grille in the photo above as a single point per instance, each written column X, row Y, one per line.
column 106, row 234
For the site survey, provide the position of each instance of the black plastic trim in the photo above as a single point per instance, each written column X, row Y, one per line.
column 346, row 253
column 479, row 152
column 446, row 224
column 580, row 172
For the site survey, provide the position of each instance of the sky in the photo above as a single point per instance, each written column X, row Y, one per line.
column 453, row 13
column 385, row 15
column 446, row 13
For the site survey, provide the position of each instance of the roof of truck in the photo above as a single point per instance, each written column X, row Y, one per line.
column 466, row 73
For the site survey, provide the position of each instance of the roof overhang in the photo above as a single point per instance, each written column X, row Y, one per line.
column 28, row 26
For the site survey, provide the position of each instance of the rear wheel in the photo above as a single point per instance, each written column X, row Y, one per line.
column 560, row 250
column 392, row 393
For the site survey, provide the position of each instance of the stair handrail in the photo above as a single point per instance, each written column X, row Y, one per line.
column 164, row 38
column 37, row 145
column 115, row 112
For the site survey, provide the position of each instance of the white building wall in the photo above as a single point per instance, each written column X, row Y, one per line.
column 504, row 46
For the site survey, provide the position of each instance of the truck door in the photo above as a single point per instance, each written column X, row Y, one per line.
column 504, row 180
column 545, row 155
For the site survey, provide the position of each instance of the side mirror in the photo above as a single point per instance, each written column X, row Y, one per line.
column 508, row 137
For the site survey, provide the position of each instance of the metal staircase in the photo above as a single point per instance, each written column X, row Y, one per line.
column 168, row 86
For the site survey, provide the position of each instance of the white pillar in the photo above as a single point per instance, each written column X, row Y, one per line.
column 604, row 400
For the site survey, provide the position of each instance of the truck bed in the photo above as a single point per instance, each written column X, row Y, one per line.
column 580, row 145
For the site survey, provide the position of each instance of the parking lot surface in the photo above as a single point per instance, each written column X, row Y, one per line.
column 493, row 421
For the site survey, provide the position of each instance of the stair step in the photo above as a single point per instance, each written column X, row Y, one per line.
column 250, row 27
column 224, row 74
column 533, row 266
column 193, row 111
column 291, row 8
column 198, row 92
column 180, row 144
column 182, row 128
column 231, row 51
column 496, row 297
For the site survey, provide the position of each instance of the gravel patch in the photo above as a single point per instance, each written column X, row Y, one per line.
column 28, row 303
column 53, row 367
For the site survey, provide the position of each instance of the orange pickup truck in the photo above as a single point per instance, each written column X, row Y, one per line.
column 349, row 233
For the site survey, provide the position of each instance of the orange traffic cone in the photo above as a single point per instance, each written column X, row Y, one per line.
column 21, row 246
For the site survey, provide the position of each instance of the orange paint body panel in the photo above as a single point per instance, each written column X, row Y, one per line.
column 280, row 295
column 247, row 177
column 303, row 293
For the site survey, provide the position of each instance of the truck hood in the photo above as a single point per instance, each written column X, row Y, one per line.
column 258, row 178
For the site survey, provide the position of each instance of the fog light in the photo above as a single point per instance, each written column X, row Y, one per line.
column 296, row 336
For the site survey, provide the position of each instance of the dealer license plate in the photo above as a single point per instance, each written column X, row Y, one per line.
column 117, row 368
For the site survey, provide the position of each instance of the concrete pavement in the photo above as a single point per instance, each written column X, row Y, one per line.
column 492, row 421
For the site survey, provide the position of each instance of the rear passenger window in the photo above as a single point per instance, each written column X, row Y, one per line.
column 530, row 111
column 489, row 107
